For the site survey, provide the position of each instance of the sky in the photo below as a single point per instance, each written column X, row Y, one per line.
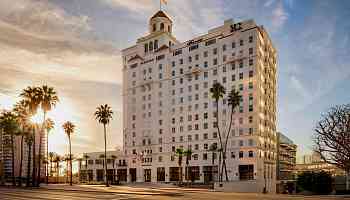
column 74, row 46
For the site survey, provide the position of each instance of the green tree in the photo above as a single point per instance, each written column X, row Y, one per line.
column 104, row 114
column 49, row 125
column 69, row 130
column 316, row 182
column 180, row 153
column 188, row 153
column 9, row 124
column 32, row 99
column 217, row 92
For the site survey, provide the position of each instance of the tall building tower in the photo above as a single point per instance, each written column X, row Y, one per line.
column 168, row 105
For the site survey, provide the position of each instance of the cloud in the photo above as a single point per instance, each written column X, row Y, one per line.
column 132, row 5
column 279, row 16
column 39, row 37
column 42, row 17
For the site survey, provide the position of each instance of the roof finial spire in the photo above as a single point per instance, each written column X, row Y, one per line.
column 161, row 2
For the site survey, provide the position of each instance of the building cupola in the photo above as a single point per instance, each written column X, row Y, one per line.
column 160, row 22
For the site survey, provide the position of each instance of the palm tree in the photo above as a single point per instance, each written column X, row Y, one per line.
column 29, row 142
column 48, row 100
column 66, row 159
column 180, row 153
column 233, row 101
column 86, row 157
column 188, row 153
column 102, row 156
column 21, row 111
column 104, row 114
column 213, row 148
column 217, row 91
column 32, row 99
column 113, row 157
column 51, row 158
column 57, row 160
column 69, row 129
column 8, row 122
column 49, row 125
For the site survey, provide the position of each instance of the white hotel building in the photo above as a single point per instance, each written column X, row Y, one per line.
column 168, row 105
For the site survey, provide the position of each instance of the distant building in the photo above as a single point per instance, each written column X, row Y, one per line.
column 314, row 162
column 286, row 162
column 6, row 155
column 91, row 167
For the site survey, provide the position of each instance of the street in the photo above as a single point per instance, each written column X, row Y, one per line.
column 177, row 194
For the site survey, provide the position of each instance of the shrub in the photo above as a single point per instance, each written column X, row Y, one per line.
column 316, row 182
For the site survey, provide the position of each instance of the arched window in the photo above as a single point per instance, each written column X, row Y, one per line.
column 150, row 46
column 161, row 26
column 154, row 27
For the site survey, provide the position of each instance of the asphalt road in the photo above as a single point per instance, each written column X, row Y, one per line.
column 45, row 194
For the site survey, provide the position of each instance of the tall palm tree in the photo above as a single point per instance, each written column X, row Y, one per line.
column 233, row 101
column 213, row 148
column 48, row 100
column 51, row 158
column 104, row 114
column 32, row 99
column 49, row 125
column 66, row 159
column 69, row 129
column 188, row 153
column 86, row 157
column 57, row 160
column 21, row 111
column 180, row 153
column 113, row 157
column 29, row 142
column 8, row 123
column 217, row 91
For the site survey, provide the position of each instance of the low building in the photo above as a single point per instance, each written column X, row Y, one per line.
column 286, row 162
column 91, row 167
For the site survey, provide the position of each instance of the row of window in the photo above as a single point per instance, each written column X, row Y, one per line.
column 211, row 42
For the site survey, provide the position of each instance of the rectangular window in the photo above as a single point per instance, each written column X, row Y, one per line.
column 251, row 73
column 215, row 51
column 205, row 54
column 233, row 78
